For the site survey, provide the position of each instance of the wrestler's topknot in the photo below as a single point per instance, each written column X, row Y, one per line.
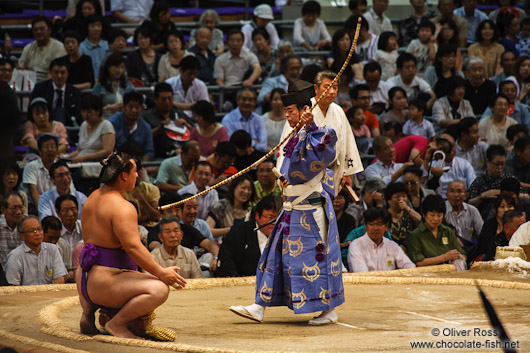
column 113, row 165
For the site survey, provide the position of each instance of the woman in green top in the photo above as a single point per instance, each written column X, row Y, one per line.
column 433, row 243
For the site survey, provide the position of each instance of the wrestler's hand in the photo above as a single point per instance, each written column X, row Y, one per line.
column 307, row 116
column 170, row 276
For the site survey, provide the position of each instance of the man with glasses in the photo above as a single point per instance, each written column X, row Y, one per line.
column 12, row 207
column 413, row 179
column 175, row 172
column 172, row 253
column 464, row 217
column 202, row 176
column 62, row 178
column 38, row 55
column 372, row 252
column 34, row 262
column 244, row 118
column 360, row 97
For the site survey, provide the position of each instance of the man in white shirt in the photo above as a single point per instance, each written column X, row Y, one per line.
column 36, row 177
column 378, row 22
column 372, row 252
column 262, row 17
column 202, row 176
column 367, row 43
column 131, row 11
column 464, row 217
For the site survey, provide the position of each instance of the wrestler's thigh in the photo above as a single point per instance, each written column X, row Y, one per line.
column 113, row 288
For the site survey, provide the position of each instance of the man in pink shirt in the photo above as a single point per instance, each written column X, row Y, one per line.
column 374, row 252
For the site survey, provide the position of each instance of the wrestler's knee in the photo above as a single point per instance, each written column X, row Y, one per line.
column 159, row 291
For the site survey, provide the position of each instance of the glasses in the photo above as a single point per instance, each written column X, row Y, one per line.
column 411, row 183
column 15, row 208
column 34, row 230
column 499, row 164
column 62, row 175
column 48, row 147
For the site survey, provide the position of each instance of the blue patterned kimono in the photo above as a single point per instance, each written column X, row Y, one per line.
column 297, row 268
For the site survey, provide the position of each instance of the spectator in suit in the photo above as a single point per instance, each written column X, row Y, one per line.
column 62, row 97
column 242, row 247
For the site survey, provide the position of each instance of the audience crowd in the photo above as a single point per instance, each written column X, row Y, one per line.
column 446, row 117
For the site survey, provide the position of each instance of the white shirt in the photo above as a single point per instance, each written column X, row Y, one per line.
column 364, row 255
column 380, row 171
column 460, row 169
column 247, row 32
column 206, row 201
column 367, row 49
column 468, row 223
column 134, row 9
column 521, row 236
column 36, row 174
column 262, row 241
column 302, row 33
column 417, row 86
column 73, row 237
column 196, row 92
column 377, row 25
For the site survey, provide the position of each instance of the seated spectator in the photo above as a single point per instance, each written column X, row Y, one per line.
column 145, row 197
column 230, row 68
column 372, row 195
column 477, row 85
column 264, row 52
column 96, row 135
column 433, row 243
column 360, row 97
column 416, row 88
column 459, row 168
column 12, row 207
column 209, row 18
column 403, row 217
column 175, row 172
column 290, row 72
column 397, row 104
column 36, row 177
column 439, row 75
column 413, row 179
column 244, row 118
column 67, row 210
column 361, row 132
column 515, row 231
column 202, row 176
column 512, row 186
column 234, row 208
column 509, row 30
column 169, row 62
column 262, row 19
column 473, row 17
column 522, row 76
column 493, row 128
column 393, row 130
column 464, row 217
column 508, row 67
column 24, row 262
column 310, row 33
column 516, row 110
column 345, row 221
column 506, row 6
column 6, row 70
column 449, row 34
column 487, row 36
column 172, row 253
column 190, row 211
column 130, row 11
column 187, row 88
column 243, row 245
column 222, row 161
column 372, row 252
column 112, row 85
column 40, row 123
column 62, row 98
column 80, row 69
column 245, row 153
column 162, row 113
column 424, row 47
column 84, row 8
column 142, row 63
column 265, row 183
column 208, row 132
column 340, row 47
column 117, row 39
column 131, row 128
column 201, row 50
column 450, row 109
column 387, row 54
column 523, row 45
column 513, row 133
column 275, row 118
column 377, row 21
column 192, row 239
column 493, row 228
column 38, row 55
column 385, row 168
column 93, row 46
column 469, row 147
column 417, row 124
column 378, row 88
column 52, row 228
column 366, row 44
column 159, row 23
column 446, row 8
column 357, row 8
column 10, row 180
column 62, row 179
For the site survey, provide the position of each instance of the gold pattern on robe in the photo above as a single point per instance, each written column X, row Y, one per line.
column 289, row 272
column 265, row 293
column 316, row 166
column 329, row 181
column 331, row 216
column 261, row 264
column 325, row 295
column 303, row 221
column 298, row 303
column 298, row 174
column 297, row 245
column 311, row 273
column 336, row 268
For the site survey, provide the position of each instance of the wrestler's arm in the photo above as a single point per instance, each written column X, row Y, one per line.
column 125, row 228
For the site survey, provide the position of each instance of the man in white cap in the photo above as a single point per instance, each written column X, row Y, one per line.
column 262, row 18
